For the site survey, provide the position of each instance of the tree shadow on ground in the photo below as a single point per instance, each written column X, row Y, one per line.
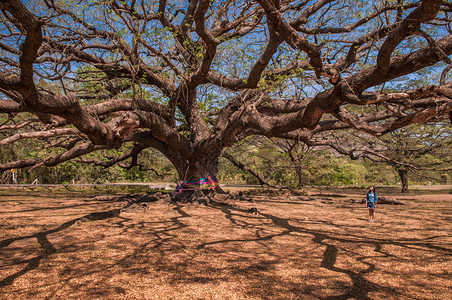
column 172, row 248
column 361, row 287
column 47, row 247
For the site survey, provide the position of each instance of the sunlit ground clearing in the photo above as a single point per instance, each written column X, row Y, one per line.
column 291, row 249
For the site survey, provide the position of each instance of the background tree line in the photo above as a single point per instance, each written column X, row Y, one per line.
column 423, row 151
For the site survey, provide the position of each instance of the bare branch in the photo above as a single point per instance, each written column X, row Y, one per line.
column 37, row 135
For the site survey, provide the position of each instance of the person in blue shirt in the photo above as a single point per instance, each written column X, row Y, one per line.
column 371, row 202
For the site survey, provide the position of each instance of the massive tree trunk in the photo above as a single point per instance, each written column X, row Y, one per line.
column 197, row 176
column 404, row 179
column 203, row 165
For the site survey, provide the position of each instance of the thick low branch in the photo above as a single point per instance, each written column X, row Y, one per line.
column 72, row 153
column 38, row 135
column 9, row 106
column 401, row 65
column 158, row 128
column 133, row 152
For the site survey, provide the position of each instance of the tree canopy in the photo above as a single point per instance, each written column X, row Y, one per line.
column 191, row 78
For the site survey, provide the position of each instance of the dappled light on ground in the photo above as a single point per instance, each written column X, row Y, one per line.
column 56, row 246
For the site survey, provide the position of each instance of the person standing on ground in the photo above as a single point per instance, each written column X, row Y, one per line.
column 371, row 202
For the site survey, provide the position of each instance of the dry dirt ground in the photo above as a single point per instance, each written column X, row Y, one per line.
column 61, row 246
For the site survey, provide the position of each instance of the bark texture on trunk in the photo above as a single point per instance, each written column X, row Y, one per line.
column 202, row 165
column 299, row 171
column 404, row 179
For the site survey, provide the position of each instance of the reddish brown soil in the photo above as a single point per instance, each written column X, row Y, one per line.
column 51, row 248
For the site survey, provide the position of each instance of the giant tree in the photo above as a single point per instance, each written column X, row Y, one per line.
column 190, row 78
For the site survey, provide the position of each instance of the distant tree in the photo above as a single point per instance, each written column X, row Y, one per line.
column 272, row 162
column 422, row 149
column 192, row 78
column 276, row 162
